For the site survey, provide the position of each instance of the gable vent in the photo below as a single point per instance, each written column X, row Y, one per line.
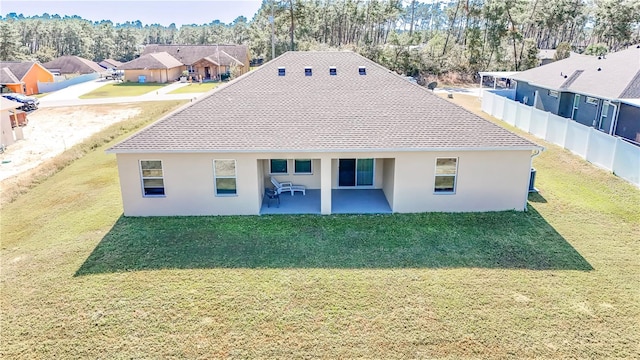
column 308, row 71
column 333, row 71
column 281, row 71
column 362, row 70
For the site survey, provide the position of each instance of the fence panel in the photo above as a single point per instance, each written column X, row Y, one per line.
column 498, row 106
column 577, row 138
column 523, row 117
column 45, row 87
column 600, row 151
column 538, row 123
column 510, row 112
column 556, row 129
column 626, row 162
column 487, row 102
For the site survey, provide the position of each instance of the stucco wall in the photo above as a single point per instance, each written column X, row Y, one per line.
column 486, row 181
column 155, row 75
column 6, row 132
column 35, row 74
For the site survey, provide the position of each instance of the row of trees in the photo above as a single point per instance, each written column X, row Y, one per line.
column 463, row 36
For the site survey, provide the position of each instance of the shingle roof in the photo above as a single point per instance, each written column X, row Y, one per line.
column 189, row 54
column 161, row 60
column 264, row 112
column 7, row 77
column 109, row 63
column 608, row 77
column 73, row 65
column 18, row 68
column 222, row 58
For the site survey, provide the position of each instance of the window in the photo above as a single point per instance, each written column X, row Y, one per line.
column 224, row 174
column 446, row 170
column 302, row 166
column 278, row 166
column 333, row 71
column 591, row 100
column 553, row 93
column 308, row 71
column 281, row 71
column 152, row 177
column 362, row 70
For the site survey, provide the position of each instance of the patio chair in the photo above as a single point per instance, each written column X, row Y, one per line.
column 287, row 186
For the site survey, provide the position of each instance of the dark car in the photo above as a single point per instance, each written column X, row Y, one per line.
column 28, row 102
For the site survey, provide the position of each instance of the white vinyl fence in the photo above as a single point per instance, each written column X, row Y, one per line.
column 603, row 150
column 46, row 87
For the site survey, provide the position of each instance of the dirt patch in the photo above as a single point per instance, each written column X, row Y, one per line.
column 51, row 131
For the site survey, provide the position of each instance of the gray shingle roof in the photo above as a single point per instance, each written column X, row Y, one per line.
column 73, row 65
column 189, row 54
column 110, row 63
column 161, row 60
column 18, row 68
column 7, row 77
column 617, row 73
column 264, row 112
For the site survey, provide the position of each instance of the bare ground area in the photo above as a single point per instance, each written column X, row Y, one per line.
column 51, row 131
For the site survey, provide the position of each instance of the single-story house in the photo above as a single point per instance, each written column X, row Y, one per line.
column 334, row 123
column 207, row 61
column 11, row 119
column 157, row 67
column 110, row 64
column 27, row 74
column 586, row 89
column 67, row 65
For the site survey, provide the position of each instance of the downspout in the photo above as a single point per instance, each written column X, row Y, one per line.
column 526, row 196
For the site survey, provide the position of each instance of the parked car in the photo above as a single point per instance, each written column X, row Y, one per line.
column 28, row 102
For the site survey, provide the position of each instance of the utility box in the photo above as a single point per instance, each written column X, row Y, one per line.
column 142, row 78
column 532, row 181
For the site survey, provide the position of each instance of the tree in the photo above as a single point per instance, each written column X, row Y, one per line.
column 563, row 51
column 10, row 48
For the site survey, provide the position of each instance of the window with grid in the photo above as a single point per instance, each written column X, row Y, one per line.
column 446, row 172
column 152, row 177
column 224, row 174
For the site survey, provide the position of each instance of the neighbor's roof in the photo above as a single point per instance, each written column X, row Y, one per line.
column 72, row 65
column 264, row 112
column 18, row 68
column 161, row 60
column 6, row 104
column 616, row 75
column 222, row 58
column 7, row 76
column 109, row 63
column 189, row 54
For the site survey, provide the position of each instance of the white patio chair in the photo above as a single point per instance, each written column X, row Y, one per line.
column 287, row 186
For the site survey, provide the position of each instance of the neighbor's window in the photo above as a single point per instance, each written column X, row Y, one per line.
column 224, row 173
column 279, row 166
column 302, row 166
column 591, row 100
column 152, row 177
column 553, row 93
column 446, row 169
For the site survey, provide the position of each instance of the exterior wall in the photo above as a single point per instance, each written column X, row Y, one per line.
column 587, row 114
column 16, row 88
column 628, row 125
column 310, row 181
column 6, row 132
column 154, row 75
column 485, row 181
column 549, row 103
column 566, row 105
column 36, row 74
column 523, row 90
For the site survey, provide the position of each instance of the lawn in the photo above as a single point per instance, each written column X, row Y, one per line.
column 122, row 89
column 196, row 88
column 559, row 281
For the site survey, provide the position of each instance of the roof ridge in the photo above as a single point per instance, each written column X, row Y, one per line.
column 634, row 84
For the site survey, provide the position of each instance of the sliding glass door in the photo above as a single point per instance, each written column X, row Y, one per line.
column 355, row 172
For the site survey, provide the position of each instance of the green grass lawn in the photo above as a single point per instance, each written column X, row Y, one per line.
column 122, row 89
column 195, row 87
column 559, row 281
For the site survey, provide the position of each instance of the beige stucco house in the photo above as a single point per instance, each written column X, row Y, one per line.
column 157, row 67
column 334, row 122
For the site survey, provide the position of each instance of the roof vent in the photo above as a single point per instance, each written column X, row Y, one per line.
column 307, row 71
column 333, row 71
column 281, row 71
column 362, row 70
column 599, row 69
column 599, row 58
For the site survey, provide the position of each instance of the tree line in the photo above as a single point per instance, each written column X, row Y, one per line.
column 411, row 37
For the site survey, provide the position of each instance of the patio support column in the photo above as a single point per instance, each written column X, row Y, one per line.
column 325, row 185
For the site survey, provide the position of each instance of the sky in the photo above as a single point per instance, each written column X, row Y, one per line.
column 163, row 12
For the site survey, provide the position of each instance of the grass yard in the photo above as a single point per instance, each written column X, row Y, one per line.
column 560, row 281
column 195, row 88
column 122, row 89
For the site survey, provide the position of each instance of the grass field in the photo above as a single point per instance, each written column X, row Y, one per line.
column 122, row 89
column 195, row 88
column 559, row 281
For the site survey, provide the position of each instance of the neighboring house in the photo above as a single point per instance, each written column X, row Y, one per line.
column 11, row 122
column 109, row 63
column 331, row 121
column 67, row 65
column 27, row 74
column 586, row 89
column 546, row 56
column 157, row 67
column 207, row 61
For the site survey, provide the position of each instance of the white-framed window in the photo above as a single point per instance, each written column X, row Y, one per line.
column 224, row 177
column 553, row 93
column 152, row 178
column 446, row 173
column 278, row 166
column 591, row 100
column 302, row 166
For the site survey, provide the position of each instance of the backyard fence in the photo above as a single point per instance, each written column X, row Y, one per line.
column 603, row 150
column 45, row 87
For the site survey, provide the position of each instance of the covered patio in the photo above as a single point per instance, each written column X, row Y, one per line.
column 343, row 201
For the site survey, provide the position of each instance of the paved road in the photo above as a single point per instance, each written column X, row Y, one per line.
column 70, row 96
